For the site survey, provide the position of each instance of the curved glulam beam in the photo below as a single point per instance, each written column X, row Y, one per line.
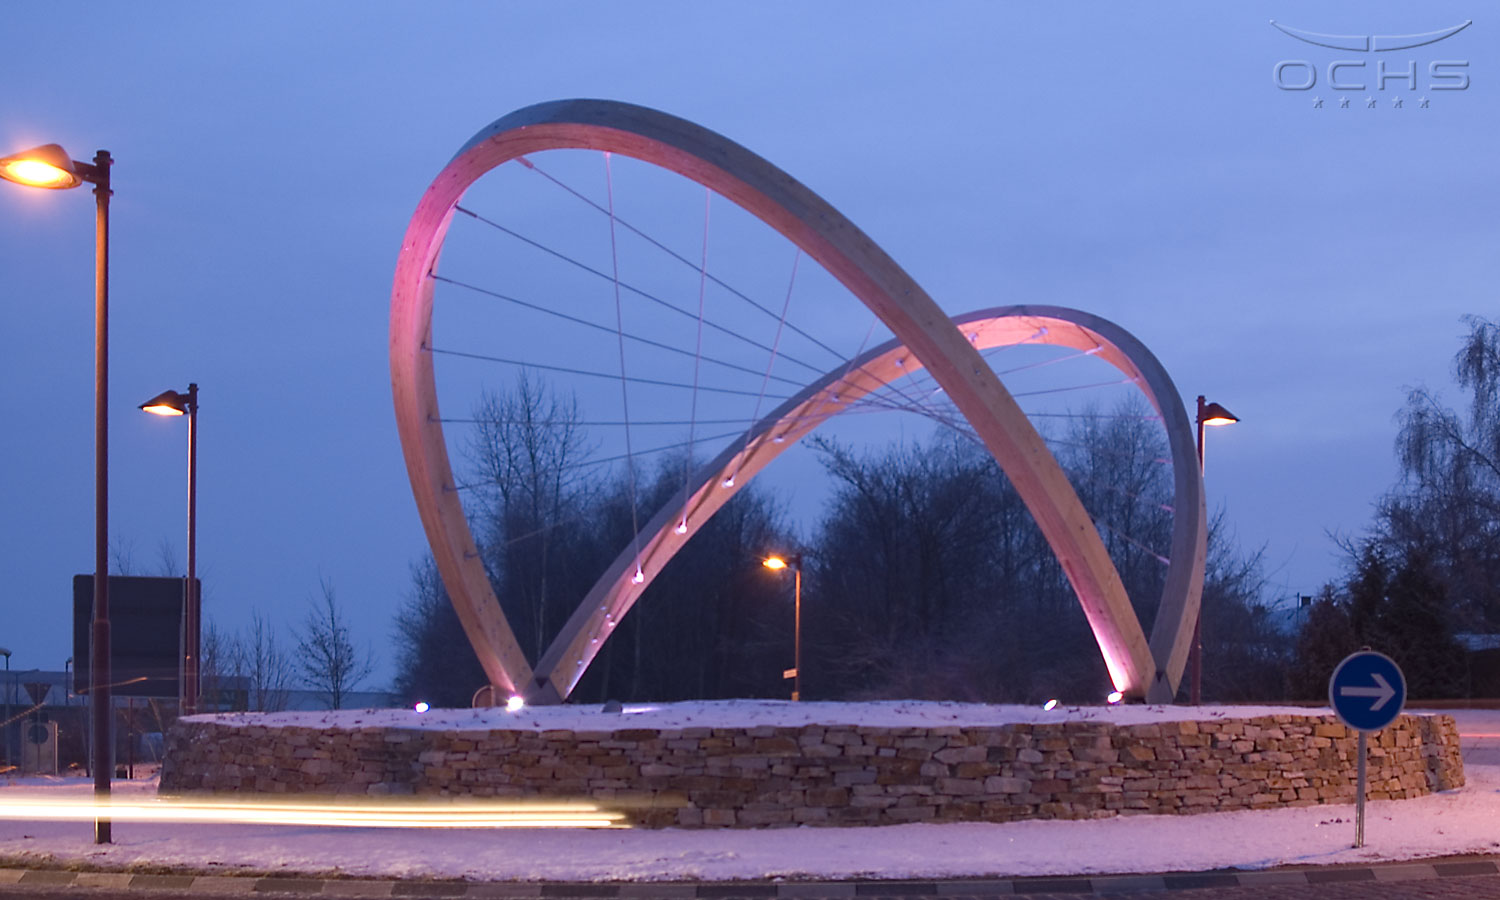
column 823, row 234
column 715, row 483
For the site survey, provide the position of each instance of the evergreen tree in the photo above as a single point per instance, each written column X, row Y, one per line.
column 1326, row 637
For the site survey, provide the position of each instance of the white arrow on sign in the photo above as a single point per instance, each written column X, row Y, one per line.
column 1382, row 691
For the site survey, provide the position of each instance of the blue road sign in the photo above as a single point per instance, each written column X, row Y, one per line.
column 1367, row 690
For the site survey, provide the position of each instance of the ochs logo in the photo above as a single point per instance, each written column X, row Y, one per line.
column 1379, row 74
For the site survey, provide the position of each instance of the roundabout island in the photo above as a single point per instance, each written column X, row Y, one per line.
column 757, row 763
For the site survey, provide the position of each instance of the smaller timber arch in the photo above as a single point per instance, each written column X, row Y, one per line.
column 715, row 483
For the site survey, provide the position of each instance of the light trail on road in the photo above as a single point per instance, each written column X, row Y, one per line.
column 332, row 815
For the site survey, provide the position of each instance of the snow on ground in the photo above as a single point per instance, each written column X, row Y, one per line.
column 1465, row 821
column 749, row 713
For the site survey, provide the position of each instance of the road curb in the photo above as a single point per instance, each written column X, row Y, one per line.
column 247, row 885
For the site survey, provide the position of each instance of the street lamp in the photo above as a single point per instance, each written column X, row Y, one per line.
column 1208, row 414
column 795, row 562
column 5, row 722
column 172, row 403
column 50, row 167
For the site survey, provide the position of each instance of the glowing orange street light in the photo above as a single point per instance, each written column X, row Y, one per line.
column 167, row 403
column 1214, row 414
column 172, row 403
column 50, row 167
column 1208, row 414
column 47, row 166
column 776, row 563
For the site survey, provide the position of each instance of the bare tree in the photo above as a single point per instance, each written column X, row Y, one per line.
column 215, row 665
column 526, row 448
column 122, row 556
column 1446, row 509
column 267, row 671
column 434, row 662
column 246, row 670
column 933, row 580
column 167, row 563
column 330, row 662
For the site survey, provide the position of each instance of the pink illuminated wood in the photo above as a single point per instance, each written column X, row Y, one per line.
column 825, row 235
column 617, row 590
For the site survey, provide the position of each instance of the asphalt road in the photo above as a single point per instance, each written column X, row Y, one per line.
column 1473, row 887
column 1389, row 883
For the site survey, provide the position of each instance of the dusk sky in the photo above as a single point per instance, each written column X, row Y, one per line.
column 1302, row 263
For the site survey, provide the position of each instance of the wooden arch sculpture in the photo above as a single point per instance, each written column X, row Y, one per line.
column 1138, row 669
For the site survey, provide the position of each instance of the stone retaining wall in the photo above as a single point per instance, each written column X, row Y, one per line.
column 837, row 774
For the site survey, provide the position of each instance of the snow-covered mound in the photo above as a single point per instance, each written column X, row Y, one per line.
column 750, row 714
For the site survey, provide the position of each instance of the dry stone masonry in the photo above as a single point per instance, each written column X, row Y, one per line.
column 837, row 774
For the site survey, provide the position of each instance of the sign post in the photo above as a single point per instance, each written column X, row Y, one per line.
column 1367, row 692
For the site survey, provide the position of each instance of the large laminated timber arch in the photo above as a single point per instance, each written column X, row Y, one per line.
column 922, row 331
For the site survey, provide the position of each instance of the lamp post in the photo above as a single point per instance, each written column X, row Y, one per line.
column 49, row 166
column 5, row 722
column 68, row 682
column 1208, row 414
column 795, row 561
column 172, row 403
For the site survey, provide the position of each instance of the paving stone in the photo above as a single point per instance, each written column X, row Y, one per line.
column 816, row 889
column 223, row 884
column 111, row 880
column 161, row 882
column 342, row 888
column 42, row 876
column 1410, row 872
column 289, row 885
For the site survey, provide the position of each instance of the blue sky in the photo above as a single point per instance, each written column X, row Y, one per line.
column 1302, row 265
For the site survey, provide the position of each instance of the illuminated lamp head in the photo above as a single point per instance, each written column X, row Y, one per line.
column 167, row 403
column 47, row 166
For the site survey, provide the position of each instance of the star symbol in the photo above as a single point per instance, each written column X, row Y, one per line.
column 1424, row 103
column 1344, row 103
column 1369, row 103
column 1396, row 103
column 1317, row 103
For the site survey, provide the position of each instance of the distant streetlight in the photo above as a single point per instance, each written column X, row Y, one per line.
column 1208, row 414
column 172, row 403
column 50, row 167
column 68, row 682
column 795, row 562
